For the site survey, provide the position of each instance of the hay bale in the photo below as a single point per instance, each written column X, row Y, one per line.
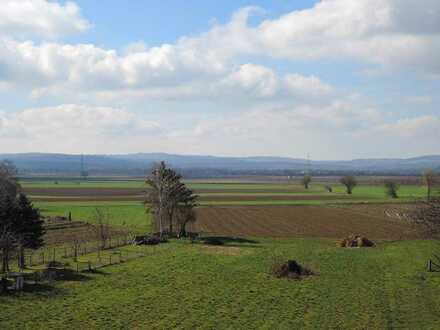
column 355, row 241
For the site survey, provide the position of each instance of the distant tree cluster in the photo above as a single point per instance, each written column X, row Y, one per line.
column 169, row 201
column 21, row 226
column 391, row 188
column 349, row 182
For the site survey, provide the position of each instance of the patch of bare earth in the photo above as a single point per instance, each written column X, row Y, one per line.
column 301, row 221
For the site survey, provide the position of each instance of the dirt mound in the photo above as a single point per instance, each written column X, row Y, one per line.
column 356, row 241
column 290, row 269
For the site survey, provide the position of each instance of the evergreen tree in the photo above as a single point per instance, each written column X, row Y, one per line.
column 28, row 226
column 7, row 235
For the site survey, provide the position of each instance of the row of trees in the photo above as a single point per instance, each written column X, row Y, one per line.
column 170, row 202
column 348, row 181
column 430, row 178
column 21, row 226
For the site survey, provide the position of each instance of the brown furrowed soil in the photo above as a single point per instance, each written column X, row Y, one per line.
column 300, row 221
column 81, row 234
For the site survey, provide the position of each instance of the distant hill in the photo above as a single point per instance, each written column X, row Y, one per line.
column 211, row 166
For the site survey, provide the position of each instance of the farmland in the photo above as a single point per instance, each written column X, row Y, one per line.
column 184, row 285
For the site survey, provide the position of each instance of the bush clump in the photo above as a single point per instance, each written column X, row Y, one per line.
column 355, row 241
column 149, row 240
column 289, row 269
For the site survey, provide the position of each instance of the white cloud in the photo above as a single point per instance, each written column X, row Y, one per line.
column 418, row 99
column 267, row 111
column 378, row 31
column 387, row 32
column 159, row 72
column 72, row 127
column 341, row 129
column 392, row 33
column 427, row 126
column 25, row 18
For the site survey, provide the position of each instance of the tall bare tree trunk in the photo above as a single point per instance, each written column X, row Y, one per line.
column 21, row 259
column 5, row 259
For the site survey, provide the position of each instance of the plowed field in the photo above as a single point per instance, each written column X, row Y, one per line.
column 300, row 221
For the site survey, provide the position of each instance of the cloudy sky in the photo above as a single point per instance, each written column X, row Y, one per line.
column 337, row 79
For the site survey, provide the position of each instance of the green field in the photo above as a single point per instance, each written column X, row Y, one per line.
column 127, row 214
column 194, row 286
column 197, row 286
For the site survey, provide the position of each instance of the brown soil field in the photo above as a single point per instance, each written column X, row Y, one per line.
column 83, row 234
column 300, row 221
column 238, row 198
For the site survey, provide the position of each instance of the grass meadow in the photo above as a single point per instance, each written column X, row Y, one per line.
column 197, row 286
column 193, row 286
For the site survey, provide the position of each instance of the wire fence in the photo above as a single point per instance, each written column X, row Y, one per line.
column 70, row 251
column 115, row 257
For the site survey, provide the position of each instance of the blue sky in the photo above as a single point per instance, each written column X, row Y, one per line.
column 337, row 79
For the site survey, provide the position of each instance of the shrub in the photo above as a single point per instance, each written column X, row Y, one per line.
column 391, row 188
column 289, row 269
column 355, row 241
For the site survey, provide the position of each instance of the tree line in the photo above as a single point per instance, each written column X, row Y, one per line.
column 430, row 180
column 21, row 225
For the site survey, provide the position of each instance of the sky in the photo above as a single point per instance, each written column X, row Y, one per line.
column 333, row 79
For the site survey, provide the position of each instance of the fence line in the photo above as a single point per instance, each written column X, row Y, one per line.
column 57, row 253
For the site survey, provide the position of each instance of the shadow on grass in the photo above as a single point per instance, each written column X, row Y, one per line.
column 70, row 275
column 97, row 272
column 40, row 288
column 229, row 241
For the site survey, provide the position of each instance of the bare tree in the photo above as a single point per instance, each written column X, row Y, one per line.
column 391, row 188
column 185, row 215
column 349, row 182
column 102, row 228
column 429, row 178
column 305, row 181
column 166, row 195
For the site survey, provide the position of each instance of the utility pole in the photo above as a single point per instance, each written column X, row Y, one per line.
column 308, row 166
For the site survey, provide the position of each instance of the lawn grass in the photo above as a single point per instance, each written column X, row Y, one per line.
column 131, row 215
column 186, row 286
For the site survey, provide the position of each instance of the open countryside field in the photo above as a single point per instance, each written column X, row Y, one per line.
column 184, row 285
column 192, row 286
column 222, row 193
